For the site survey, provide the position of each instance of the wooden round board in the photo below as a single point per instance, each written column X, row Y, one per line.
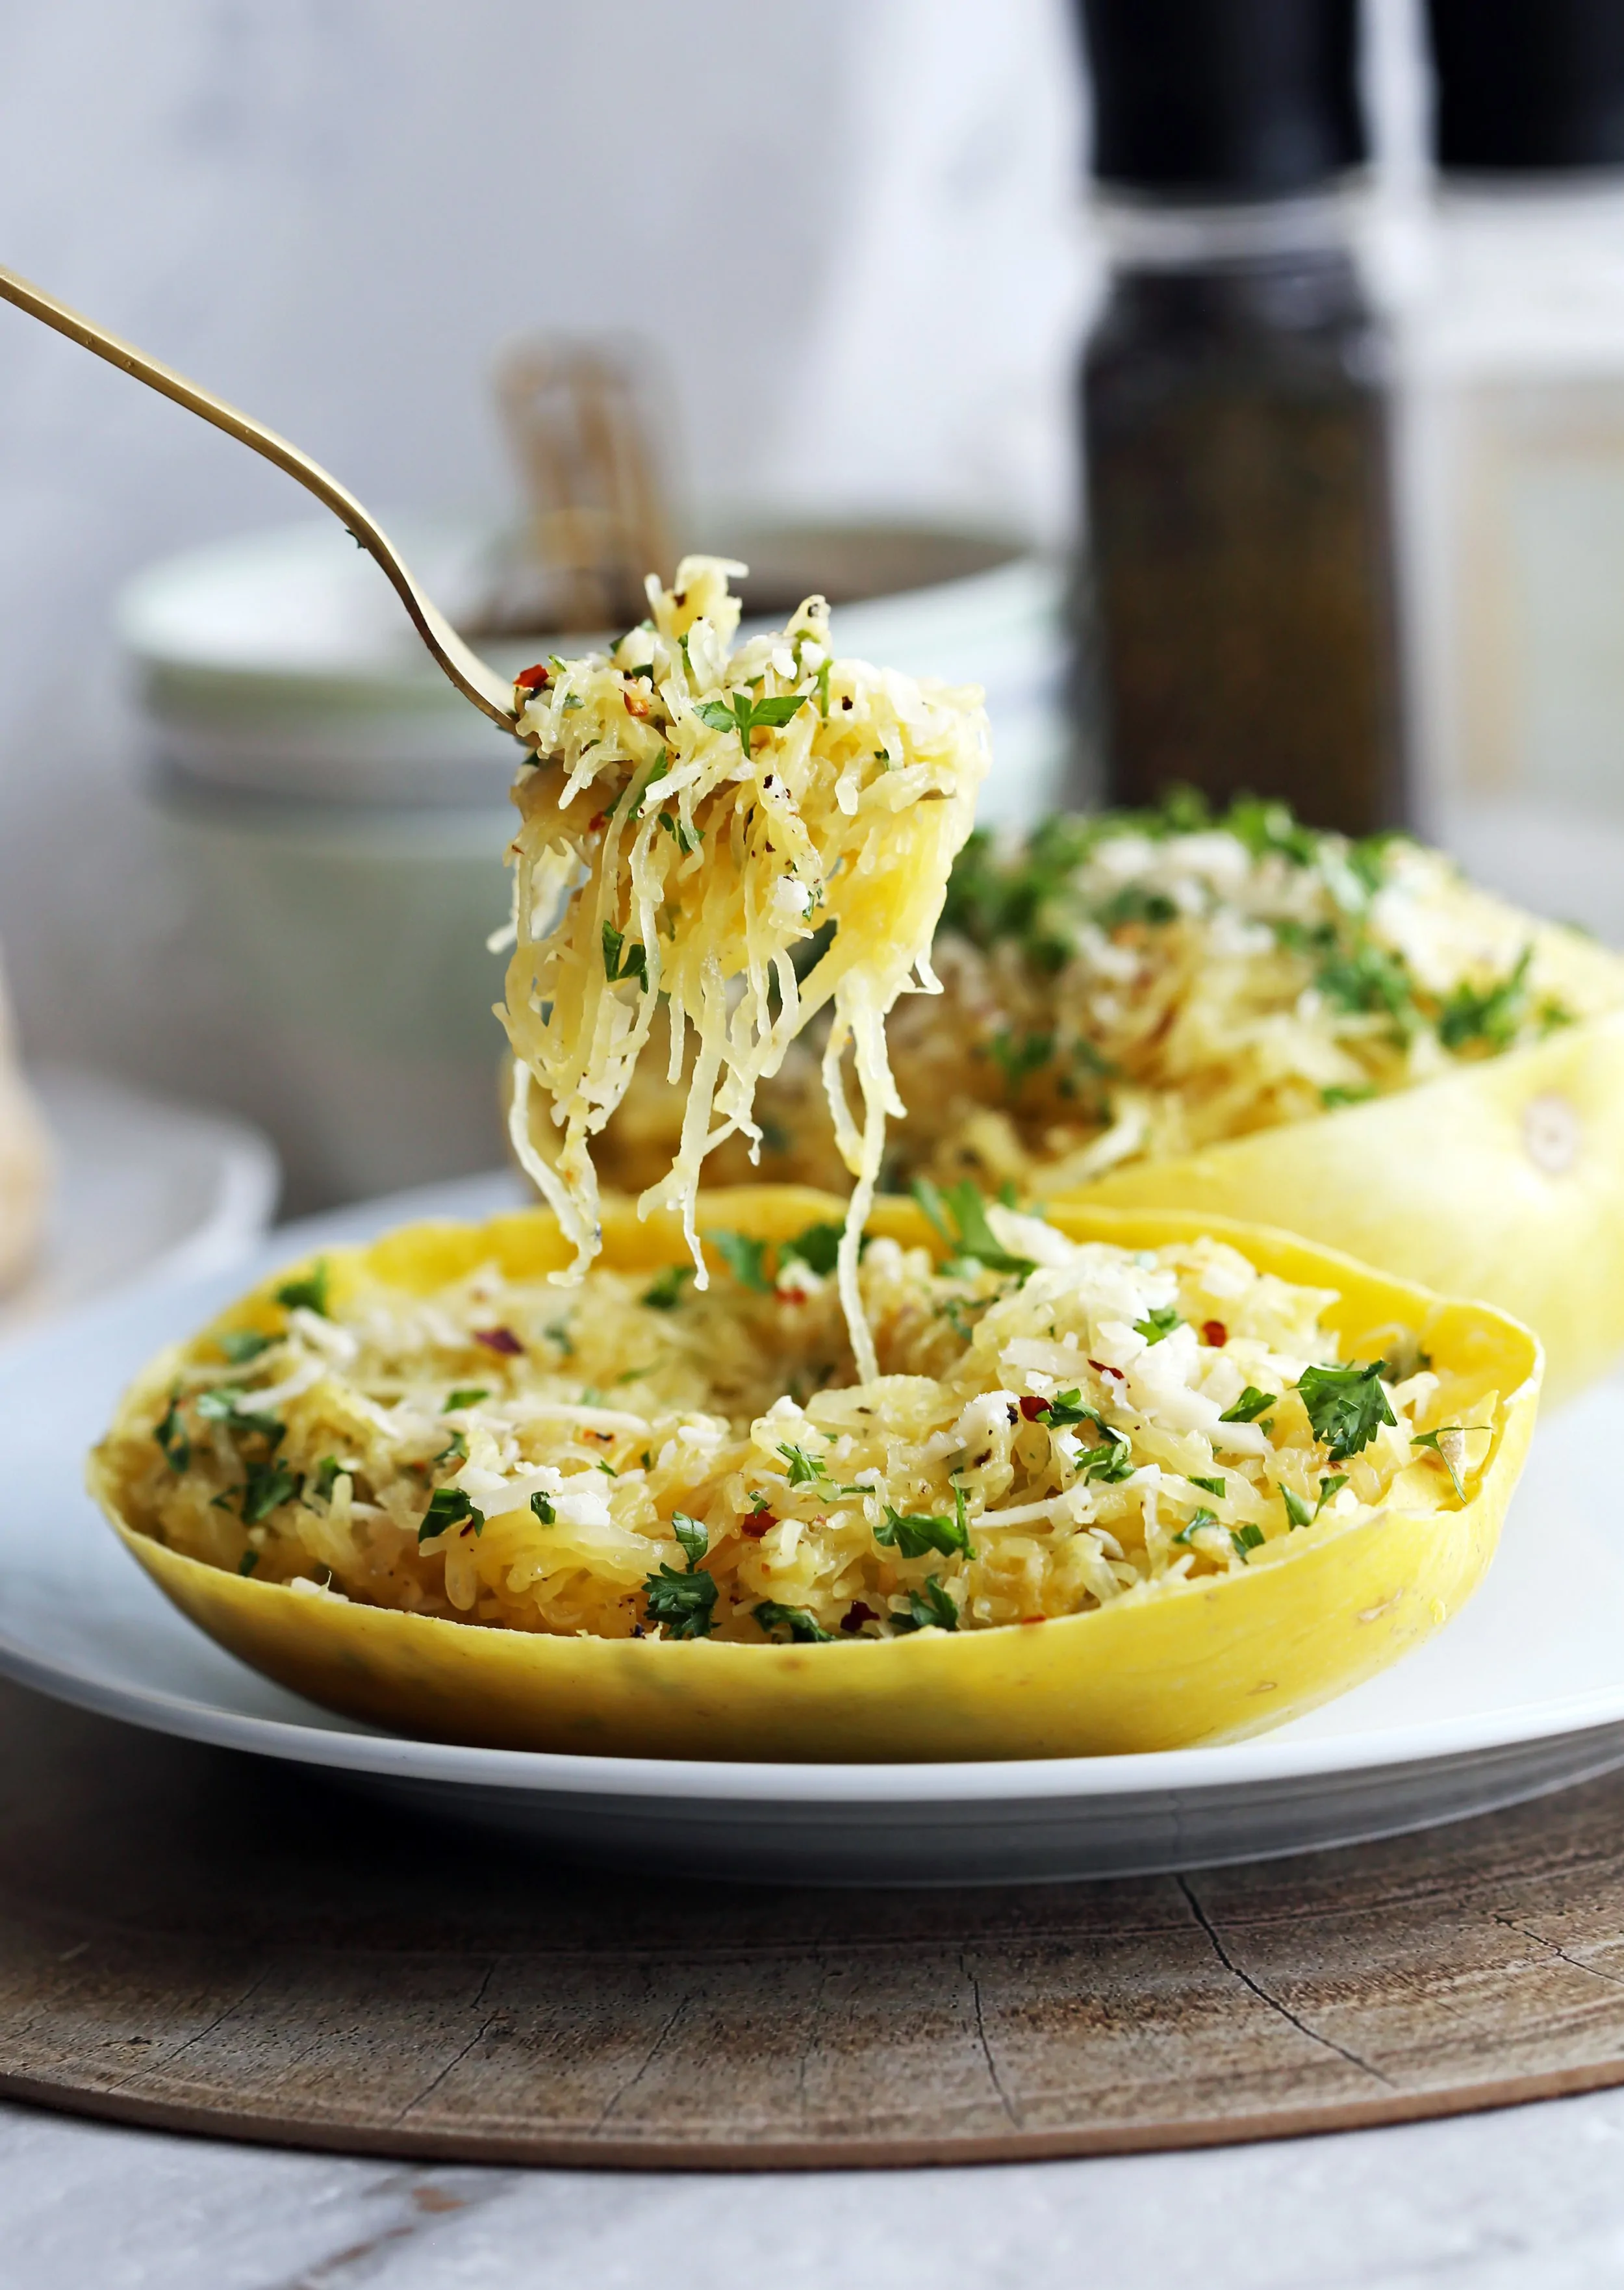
column 211, row 1942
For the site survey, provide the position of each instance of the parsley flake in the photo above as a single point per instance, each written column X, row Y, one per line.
column 621, row 960
column 449, row 1507
column 745, row 715
column 972, row 1236
column 804, row 1470
column 240, row 1345
column 930, row 1607
column 308, row 1292
column 745, row 1258
column 1347, row 1406
column 171, row 1435
column 1158, row 1324
column 914, row 1534
column 543, row 1509
column 816, row 1248
column 1246, row 1539
column 1249, row 1406
column 802, row 1629
column 1208, row 1486
column 664, row 1292
column 465, row 1395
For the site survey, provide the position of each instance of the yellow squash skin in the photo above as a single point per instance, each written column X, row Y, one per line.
column 1209, row 1661
column 1503, row 1180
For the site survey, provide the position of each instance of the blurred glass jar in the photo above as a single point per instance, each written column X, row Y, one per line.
column 1513, row 357
column 338, row 815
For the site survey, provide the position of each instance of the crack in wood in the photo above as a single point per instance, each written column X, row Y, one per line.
column 649, row 2058
column 1540, row 1940
column 1011, row 2111
column 1314, row 2035
column 457, row 2058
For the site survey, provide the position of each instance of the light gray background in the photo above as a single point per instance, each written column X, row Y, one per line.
column 855, row 229
column 851, row 227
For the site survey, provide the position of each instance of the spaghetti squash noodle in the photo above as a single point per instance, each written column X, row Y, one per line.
column 743, row 837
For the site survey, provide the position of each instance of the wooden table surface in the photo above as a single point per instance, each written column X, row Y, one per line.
column 195, row 1939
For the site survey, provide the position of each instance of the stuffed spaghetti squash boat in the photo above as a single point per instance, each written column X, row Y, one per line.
column 1241, row 1017
column 1124, row 1481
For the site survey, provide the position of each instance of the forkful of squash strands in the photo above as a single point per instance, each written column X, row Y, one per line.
column 734, row 838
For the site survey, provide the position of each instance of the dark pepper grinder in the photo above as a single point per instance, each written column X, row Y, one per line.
column 1237, row 617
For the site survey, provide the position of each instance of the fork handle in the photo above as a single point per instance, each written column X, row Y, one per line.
column 474, row 678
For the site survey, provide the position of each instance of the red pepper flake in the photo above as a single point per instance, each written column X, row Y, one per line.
column 755, row 1524
column 1034, row 1618
column 854, row 1617
column 1214, row 1331
column 1100, row 1368
column 534, row 679
column 499, row 1339
column 1035, row 1410
column 598, row 820
column 636, row 705
column 792, row 1295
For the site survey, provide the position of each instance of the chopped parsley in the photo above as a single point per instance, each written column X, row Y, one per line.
column 1158, row 1324
column 971, row 1235
column 1017, row 1055
column 683, row 1601
column 1298, row 1510
column 817, row 1247
column 465, row 1395
column 543, row 1509
column 1492, row 1016
column 1203, row 1517
column 1208, row 1486
column 171, row 1435
column 929, row 1607
column 914, row 1534
column 1249, row 1406
column 1246, row 1539
column 802, row 1629
column 328, row 1472
column 743, row 715
column 1066, row 1408
column 686, row 838
column 1339, row 1095
column 223, row 1404
column 1366, row 978
column 1347, row 1406
column 664, row 1292
column 804, row 1470
column 621, row 960
column 449, row 1507
column 1435, row 1441
column 1133, row 904
column 308, row 1293
column 745, row 1258
column 1111, row 1463
column 246, row 1564
column 266, row 1487
column 240, row 1345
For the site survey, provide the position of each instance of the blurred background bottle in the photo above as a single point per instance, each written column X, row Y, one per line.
column 1236, row 619
column 1514, row 460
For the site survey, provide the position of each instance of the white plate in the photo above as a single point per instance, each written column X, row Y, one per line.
column 1523, row 1693
column 141, row 1189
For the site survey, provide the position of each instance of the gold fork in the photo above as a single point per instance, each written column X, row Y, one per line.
column 474, row 678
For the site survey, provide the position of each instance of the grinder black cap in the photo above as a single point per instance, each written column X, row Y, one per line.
column 1528, row 86
column 1220, row 99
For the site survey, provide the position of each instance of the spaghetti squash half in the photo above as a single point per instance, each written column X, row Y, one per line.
column 1121, row 1483
column 1245, row 1018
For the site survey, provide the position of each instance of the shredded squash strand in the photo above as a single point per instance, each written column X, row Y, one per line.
column 743, row 837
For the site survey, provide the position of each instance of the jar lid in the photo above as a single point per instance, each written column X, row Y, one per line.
column 1215, row 99
column 1528, row 86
